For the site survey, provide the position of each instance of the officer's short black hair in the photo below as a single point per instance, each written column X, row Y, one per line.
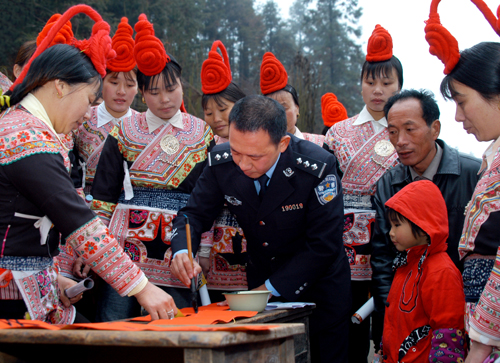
column 428, row 104
column 255, row 112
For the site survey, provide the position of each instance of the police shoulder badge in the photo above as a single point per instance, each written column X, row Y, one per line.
column 327, row 189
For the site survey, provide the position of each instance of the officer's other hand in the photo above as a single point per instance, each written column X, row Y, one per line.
column 182, row 269
column 205, row 265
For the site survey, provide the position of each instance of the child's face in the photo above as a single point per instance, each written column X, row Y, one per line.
column 403, row 238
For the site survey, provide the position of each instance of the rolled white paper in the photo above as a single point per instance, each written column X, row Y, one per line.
column 205, row 299
column 80, row 287
column 363, row 312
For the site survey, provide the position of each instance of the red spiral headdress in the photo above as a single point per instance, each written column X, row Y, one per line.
column 444, row 45
column 149, row 51
column 64, row 36
column 97, row 47
column 379, row 45
column 273, row 76
column 216, row 71
column 123, row 44
column 332, row 110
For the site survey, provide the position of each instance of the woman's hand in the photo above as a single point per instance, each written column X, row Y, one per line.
column 478, row 352
column 65, row 283
column 157, row 302
column 80, row 270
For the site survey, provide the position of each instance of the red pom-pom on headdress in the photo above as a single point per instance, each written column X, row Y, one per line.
column 123, row 44
column 332, row 110
column 149, row 51
column 379, row 45
column 216, row 71
column 64, row 36
column 273, row 76
column 97, row 47
column 444, row 45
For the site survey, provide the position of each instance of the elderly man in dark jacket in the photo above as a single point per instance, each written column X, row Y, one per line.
column 413, row 124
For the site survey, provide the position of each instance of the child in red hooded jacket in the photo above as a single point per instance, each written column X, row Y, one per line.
column 424, row 318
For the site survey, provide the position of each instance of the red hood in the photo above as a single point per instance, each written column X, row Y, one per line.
column 422, row 203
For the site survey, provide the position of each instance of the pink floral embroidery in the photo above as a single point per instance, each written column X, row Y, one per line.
column 23, row 136
column 90, row 247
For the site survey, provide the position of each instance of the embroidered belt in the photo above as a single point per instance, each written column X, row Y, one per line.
column 25, row 263
column 156, row 198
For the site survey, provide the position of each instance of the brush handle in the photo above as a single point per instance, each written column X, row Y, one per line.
column 188, row 240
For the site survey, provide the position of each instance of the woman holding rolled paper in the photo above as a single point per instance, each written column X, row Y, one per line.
column 155, row 157
column 37, row 198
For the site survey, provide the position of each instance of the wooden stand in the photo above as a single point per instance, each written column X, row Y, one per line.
column 300, row 316
column 34, row 345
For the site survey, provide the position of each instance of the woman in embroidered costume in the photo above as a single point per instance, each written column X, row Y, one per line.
column 364, row 153
column 274, row 84
column 473, row 82
column 224, row 265
column 156, row 156
column 37, row 192
column 424, row 314
column 118, row 92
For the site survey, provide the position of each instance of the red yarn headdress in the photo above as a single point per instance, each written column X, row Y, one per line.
column 332, row 110
column 379, row 45
column 216, row 71
column 97, row 47
column 273, row 76
column 123, row 45
column 444, row 45
column 64, row 36
column 149, row 51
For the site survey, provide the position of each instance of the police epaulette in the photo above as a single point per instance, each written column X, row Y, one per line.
column 219, row 157
column 312, row 166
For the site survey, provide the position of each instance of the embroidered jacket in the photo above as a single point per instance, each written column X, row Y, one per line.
column 90, row 141
column 35, row 187
column 425, row 307
column 314, row 138
column 480, row 235
column 162, row 167
column 364, row 155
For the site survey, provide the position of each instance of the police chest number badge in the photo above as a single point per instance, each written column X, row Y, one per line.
column 327, row 189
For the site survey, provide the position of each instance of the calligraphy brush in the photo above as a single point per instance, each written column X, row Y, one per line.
column 194, row 296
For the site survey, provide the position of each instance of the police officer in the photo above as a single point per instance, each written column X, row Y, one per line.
column 286, row 196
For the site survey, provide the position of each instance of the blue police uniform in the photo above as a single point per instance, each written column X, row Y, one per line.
column 294, row 235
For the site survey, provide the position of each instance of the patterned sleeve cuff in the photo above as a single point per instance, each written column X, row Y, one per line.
column 447, row 346
column 139, row 287
column 104, row 255
column 478, row 337
column 103, row 209
column 66, row 259
column 486, row 317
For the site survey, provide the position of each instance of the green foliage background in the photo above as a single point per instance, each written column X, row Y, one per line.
column 317, row 44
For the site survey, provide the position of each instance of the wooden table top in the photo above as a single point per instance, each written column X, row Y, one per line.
column 198, row 339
